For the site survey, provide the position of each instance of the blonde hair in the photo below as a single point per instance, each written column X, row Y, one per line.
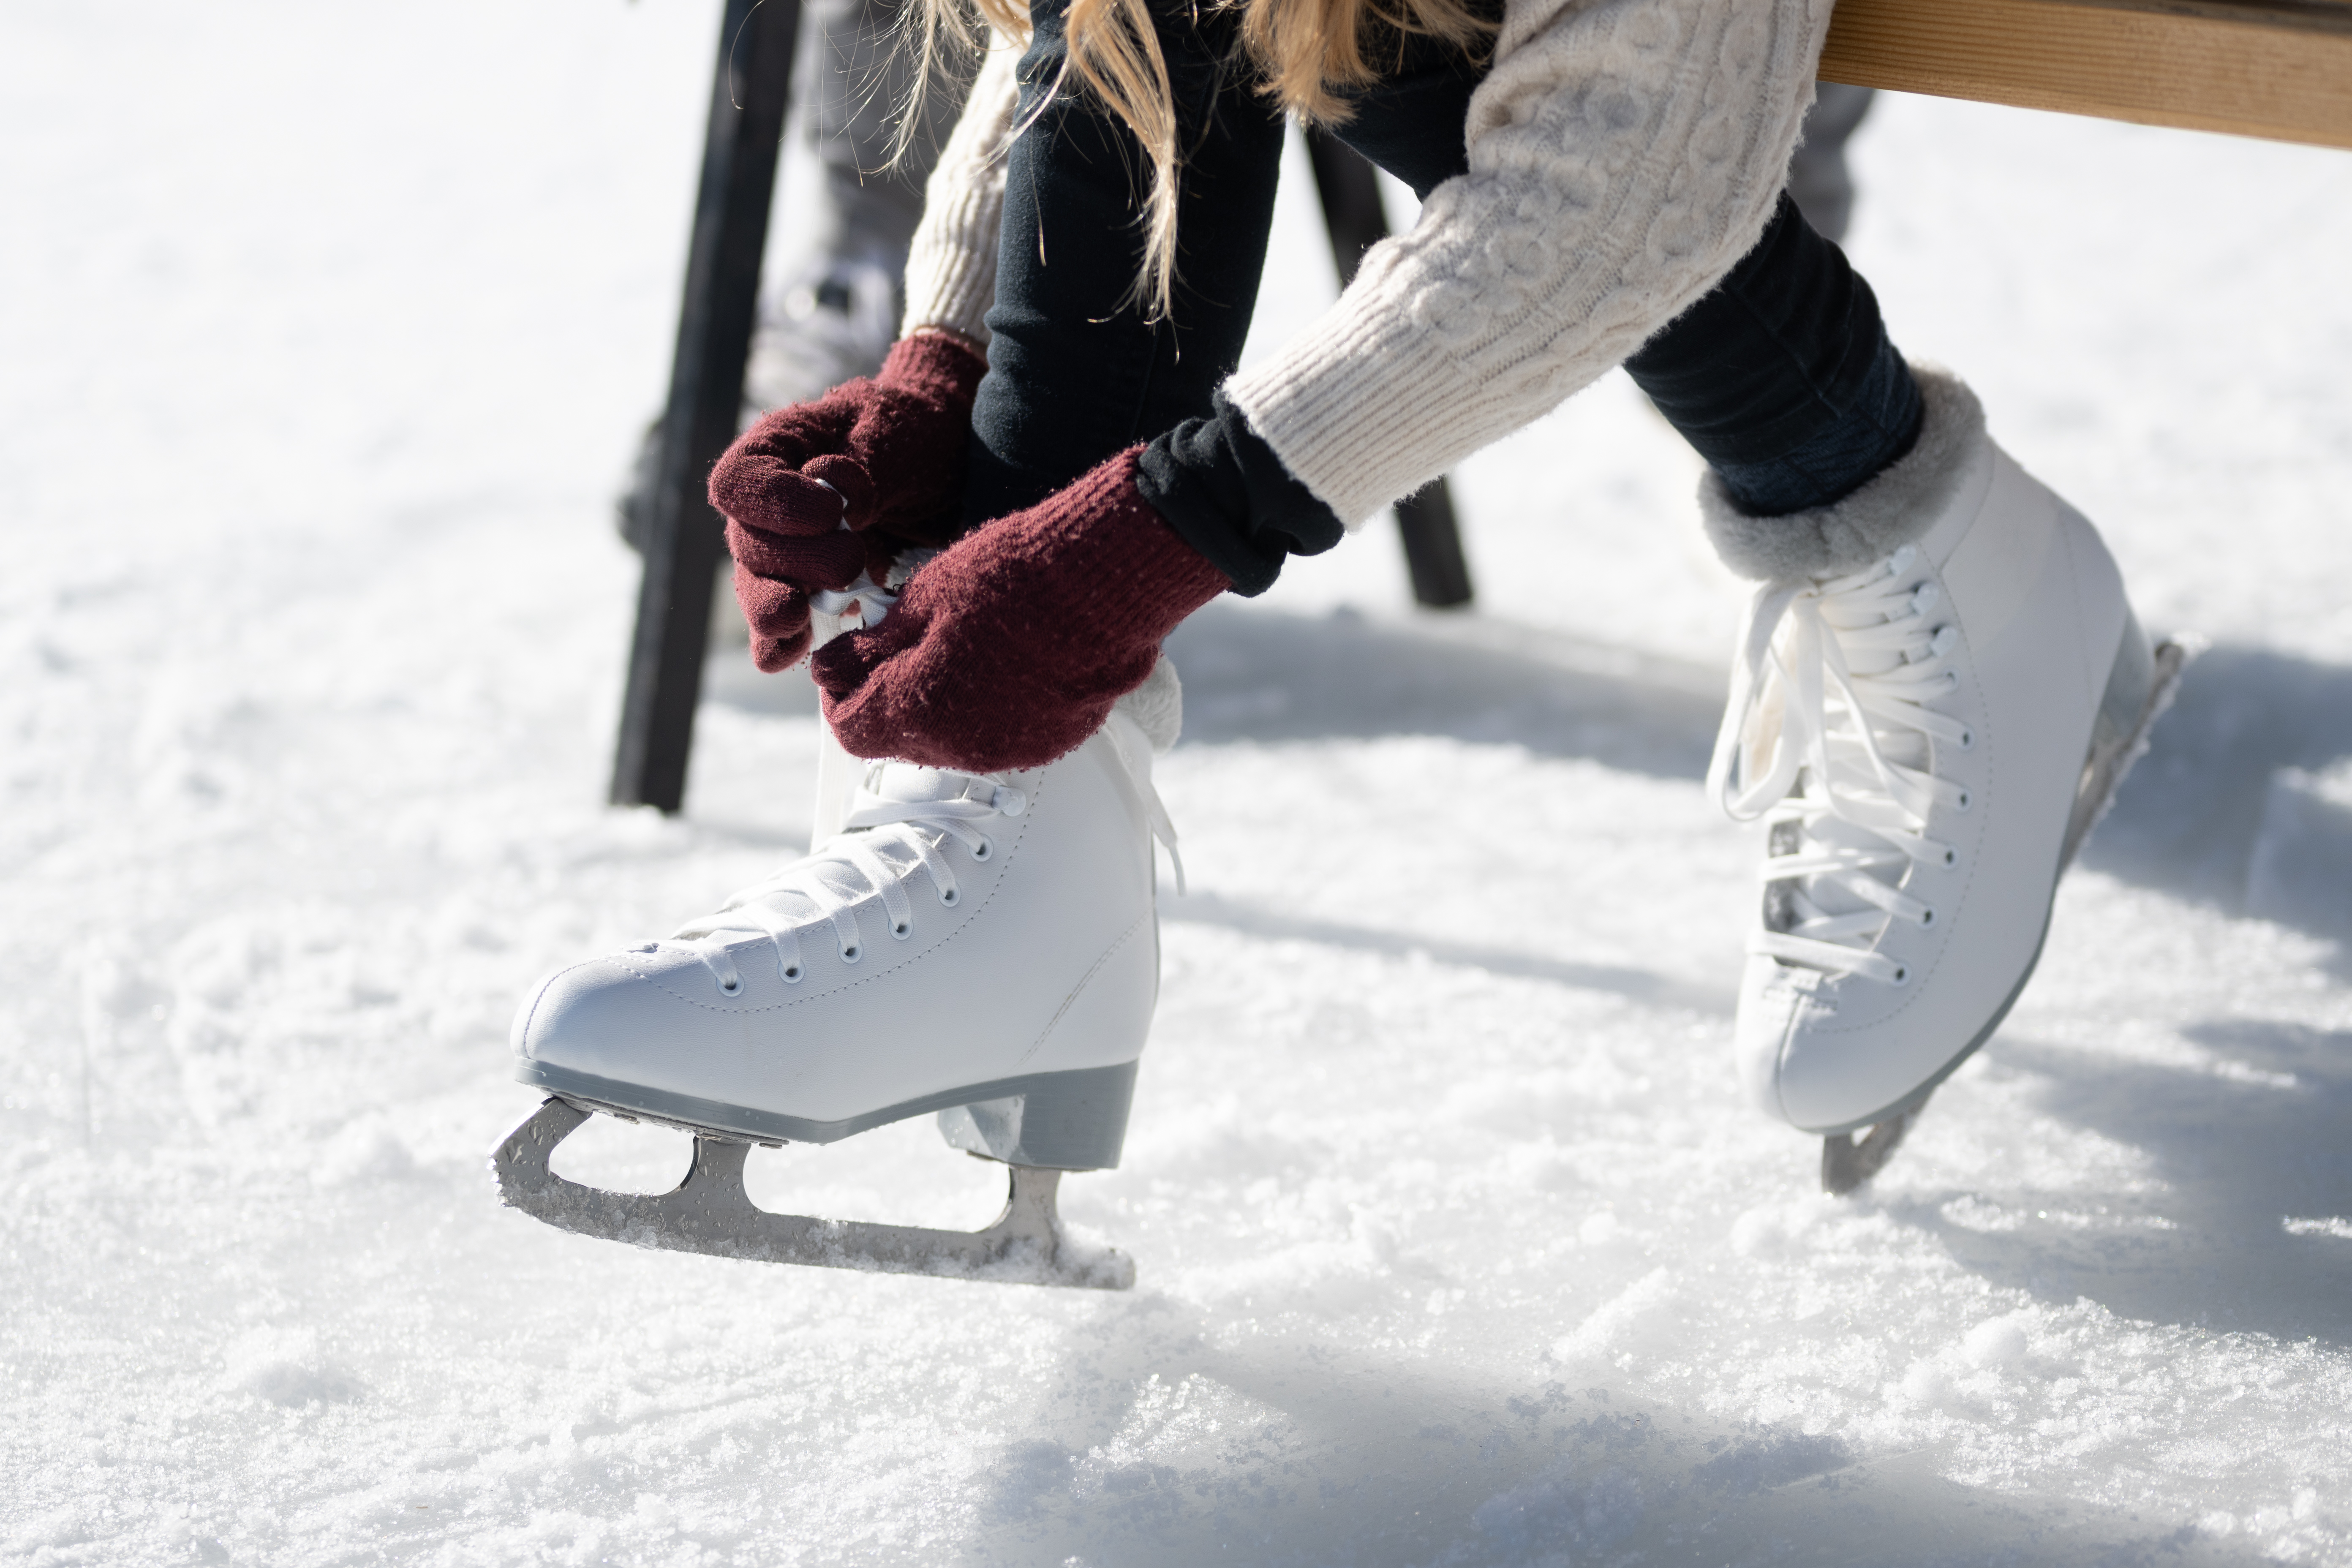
column 1307, row 54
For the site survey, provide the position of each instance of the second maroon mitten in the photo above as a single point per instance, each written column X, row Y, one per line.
column 817, row 492
column 1009, row 648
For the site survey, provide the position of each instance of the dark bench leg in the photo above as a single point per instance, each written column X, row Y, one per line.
column 1352, row 212
column 684, row 541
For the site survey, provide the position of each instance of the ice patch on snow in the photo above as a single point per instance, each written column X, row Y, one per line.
column 1773, row 1227
column 284, row 1366
column 1997, row 1342
column 1599, row 1332
column 1756, row 1464
column 368, row 1148
column 1558, row 1519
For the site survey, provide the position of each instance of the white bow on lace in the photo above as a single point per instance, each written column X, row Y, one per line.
column 1828, row 733
column 861, row 599
column 886, row 843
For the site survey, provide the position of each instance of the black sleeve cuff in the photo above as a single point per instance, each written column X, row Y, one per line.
column 1221, row 487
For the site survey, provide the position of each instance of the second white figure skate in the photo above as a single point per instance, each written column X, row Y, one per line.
column 1929, row 712
column 984, row 947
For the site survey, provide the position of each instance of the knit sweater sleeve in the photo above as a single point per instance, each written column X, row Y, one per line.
column 1623, row 155
column 951, row 266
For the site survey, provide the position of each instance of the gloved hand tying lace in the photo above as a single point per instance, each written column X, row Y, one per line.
column 1010, row 648
column 819, row 492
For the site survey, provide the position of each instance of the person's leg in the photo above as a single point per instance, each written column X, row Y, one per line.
column 1784, row 377
column 842, row 261
column 843, row 258
column 855, row 82
column 1076, row 370
column 1908, row 879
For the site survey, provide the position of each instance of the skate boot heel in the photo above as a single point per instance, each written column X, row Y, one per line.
column 1068, row 1121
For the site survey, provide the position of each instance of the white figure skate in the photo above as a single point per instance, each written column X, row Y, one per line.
column 1940, row 686
column 985, row 947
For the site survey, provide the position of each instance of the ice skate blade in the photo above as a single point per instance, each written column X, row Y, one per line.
column 710, row 1213
column 2136, row 699
column 1846, row 1165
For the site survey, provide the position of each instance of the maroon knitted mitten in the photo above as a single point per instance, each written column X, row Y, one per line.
column 1009, row 648
column 884, row 455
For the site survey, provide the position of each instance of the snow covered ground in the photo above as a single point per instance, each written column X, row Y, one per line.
column 324, row 332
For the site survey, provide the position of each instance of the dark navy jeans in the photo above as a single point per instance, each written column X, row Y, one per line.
column 1783, row 377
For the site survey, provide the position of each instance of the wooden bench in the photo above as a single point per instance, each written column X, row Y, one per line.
column 2276, row 68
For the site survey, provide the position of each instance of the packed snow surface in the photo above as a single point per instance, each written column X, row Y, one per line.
column 325, row 334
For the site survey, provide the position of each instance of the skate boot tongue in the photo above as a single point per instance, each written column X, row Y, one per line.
column 904, row 784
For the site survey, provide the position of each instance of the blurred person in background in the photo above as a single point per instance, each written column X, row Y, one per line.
column 845, row 261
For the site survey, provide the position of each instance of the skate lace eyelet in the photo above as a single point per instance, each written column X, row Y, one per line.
column 731, row 987
column 983, row 849
column 1968, row 737
column 1902, row 975
column 902, row 930
column 950, row 898
column 1952, row 858
column 1928, row 917
column 850, row 954
column 1964, row 802
column 792, row 975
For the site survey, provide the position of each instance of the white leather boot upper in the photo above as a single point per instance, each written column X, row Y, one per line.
column 962, row 930
column 1913, row 731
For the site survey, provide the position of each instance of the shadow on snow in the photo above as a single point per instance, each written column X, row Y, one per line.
column 2221, row 812
column 2239, row 1156
column 1294, row 1453
column 2205, row 816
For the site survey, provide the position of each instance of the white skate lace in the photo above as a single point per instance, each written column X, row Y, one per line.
column 1834, row 677
column 884, row 844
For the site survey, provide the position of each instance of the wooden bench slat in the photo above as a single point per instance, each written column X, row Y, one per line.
column 2282, row 71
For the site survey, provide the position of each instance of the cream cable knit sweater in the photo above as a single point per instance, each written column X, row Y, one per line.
column 1623, row 155
column 951, row 266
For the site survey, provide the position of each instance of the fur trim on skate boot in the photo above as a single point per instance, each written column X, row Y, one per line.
column 1894, row 510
